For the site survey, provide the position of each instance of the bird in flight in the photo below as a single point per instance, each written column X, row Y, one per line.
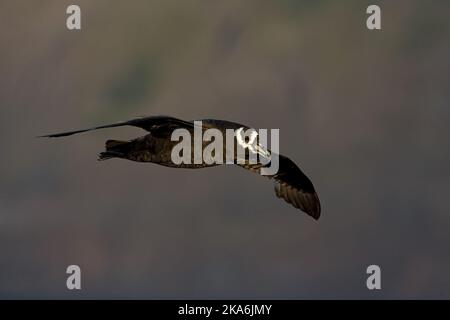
column 291, row 184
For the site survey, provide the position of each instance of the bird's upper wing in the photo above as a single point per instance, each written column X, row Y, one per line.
column 293, row 186
column 146, row 123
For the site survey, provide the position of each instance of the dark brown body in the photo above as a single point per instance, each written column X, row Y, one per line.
column 156, row 147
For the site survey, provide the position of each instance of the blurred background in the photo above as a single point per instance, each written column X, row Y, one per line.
column 364, row 113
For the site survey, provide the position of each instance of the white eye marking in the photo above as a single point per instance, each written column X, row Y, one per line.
column 240, row 136
column 252, row 143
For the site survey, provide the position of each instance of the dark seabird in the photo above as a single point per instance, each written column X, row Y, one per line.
column 291, row 183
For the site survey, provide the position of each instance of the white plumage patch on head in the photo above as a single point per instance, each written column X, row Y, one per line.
column 241, row 135
column 252, row 143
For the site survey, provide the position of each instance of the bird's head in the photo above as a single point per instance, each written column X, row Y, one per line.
column 248, row 139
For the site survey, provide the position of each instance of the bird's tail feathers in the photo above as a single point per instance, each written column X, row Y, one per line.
column 115, row 149
column 112, row 145
column 108, row 155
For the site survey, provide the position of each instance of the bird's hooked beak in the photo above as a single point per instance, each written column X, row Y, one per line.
column 261, row 150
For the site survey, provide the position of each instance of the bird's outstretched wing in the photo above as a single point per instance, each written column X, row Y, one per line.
column 295, row 188
column 146, row 123
column 292, row 185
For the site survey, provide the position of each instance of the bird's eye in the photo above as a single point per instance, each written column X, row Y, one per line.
column 247, row 138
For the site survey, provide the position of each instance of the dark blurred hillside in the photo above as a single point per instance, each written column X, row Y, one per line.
column 365, row 113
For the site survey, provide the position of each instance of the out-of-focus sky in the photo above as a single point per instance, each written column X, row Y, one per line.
column 364, row 113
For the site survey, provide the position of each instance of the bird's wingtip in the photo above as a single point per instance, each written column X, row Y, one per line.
column 316, row 210
column 314, row 214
